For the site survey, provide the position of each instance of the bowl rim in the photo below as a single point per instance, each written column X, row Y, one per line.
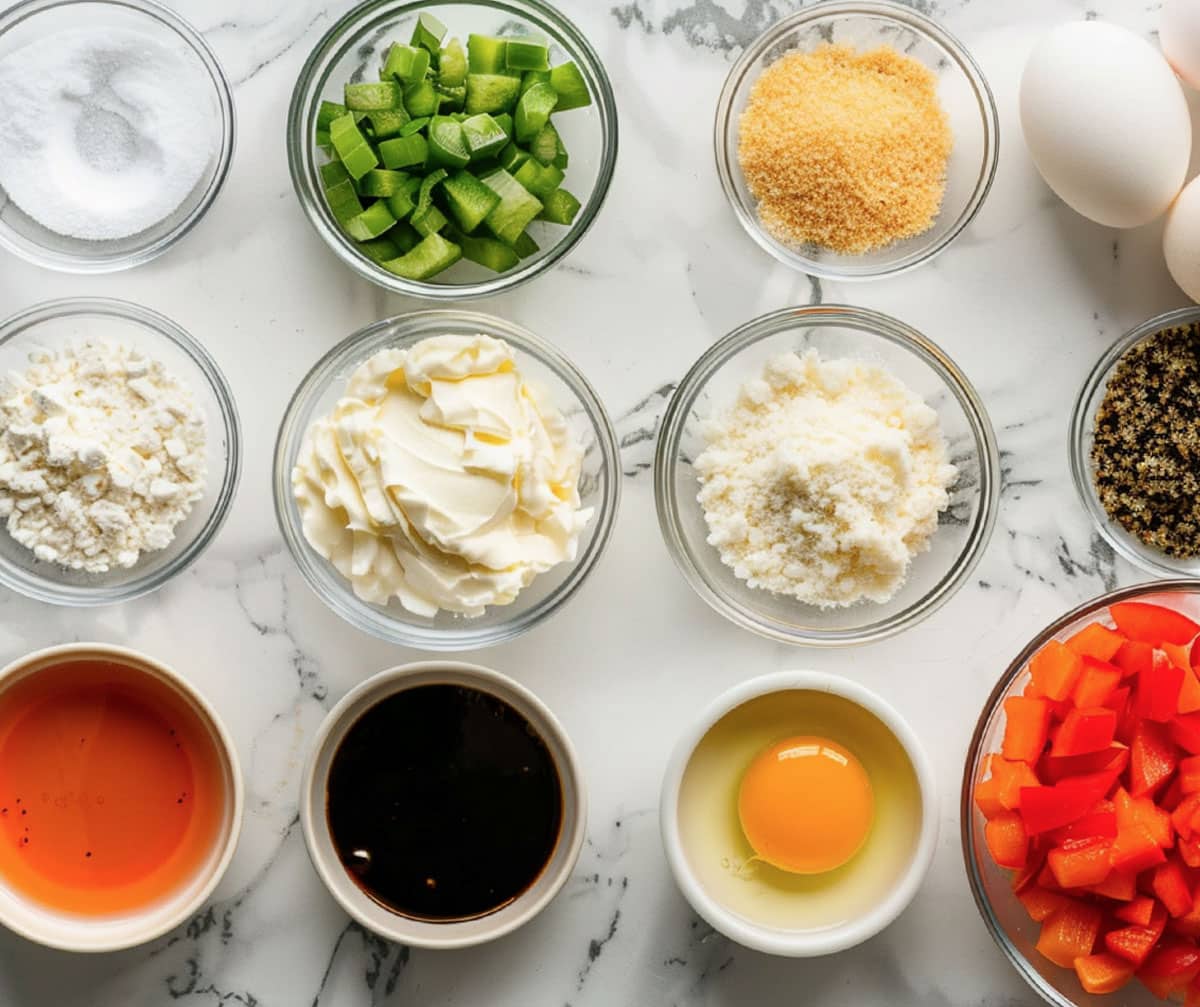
column 223, row 92
column 1180, row 585
column 34, row 662
column 875, row 324
column 375, row 620
column 302, row 109
column 771, row 940
column 91, row 595
column 390, row 682
column 1150, row 560
column 726, row 160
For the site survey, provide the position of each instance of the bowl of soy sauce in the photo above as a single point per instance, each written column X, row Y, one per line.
column 442, row 805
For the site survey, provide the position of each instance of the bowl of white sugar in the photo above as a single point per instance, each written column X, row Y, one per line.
column 118, row 132
column 826, row 476
column 120, row 451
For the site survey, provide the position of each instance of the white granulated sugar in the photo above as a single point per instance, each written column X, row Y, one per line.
column 824, row 480
column 102, row 455
column 106, row 132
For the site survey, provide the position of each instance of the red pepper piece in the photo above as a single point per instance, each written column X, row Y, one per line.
column 1097, row 641
column 1079, row 863
column 1152, row 624
column 1134, row 943
column 1070, row 932
column 1152, row 758
column 1134, row 657
column 1170, row 885
column 1187, row 925
column 1026, row 729
column 1118, row 885
column 1158, row 689
column 1184, row 730
column 1046, row 808
column 1143, row 813
column 1135, row 850
column 1053, row 768
column 1097, row 682
column 1170, row 969
column 1007, row 840
column 1189, row 694
column 1054, row 670
column 1192, row 998
column 1102, row 973
column 1181, row 817
column 1189, row 851
column 1137, row 911
column 1100, row 824
column 1084, row 731
column 1041, row 902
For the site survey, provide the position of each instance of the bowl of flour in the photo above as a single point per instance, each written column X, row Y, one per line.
column 119, row 132
column 120, row 451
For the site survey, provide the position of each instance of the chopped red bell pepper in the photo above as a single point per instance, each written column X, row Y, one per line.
column 1170, row 969
column 1096, row 640
column 1171, row 887
column 1080, row 863
column 1134, row 943
column 1118, row 885
column 1046, row 808
column 1026, row 729
column 1189, row 774
column 1070, row 932
column 1189, row 851
column 1097, row 682
column 1084, row 731
column 1054, row 670
column 1192, row 997
column 1007, row 840
column 1143, row 813
column 1184, row 814
column 1052, row 768
column 1152, row 758
column 1187, row 925
column 1134, row 657
column 1157, row 696
column 1184, row 730
column 1099, row 823
column 1152, row 624
column 1135, row 850
column 1102, row 973
column 1041, row 902
column 1136, row 911
column 1189, row 694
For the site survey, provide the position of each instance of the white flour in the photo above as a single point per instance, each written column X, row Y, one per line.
column 102, row 455
column 106, row 132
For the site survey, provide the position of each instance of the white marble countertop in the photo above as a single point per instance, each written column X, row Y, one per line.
column 1025, row 301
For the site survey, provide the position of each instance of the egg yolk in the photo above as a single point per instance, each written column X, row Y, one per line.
column 806, row 805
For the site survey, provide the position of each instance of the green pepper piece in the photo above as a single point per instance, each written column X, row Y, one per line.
column 414, row 126
column 343, row 201
column 404, row 200
column 327, row 111
column 517, row 207
column 534, row 77
column 452, row 98
column 491, row 92
column 371, row 223
column 561, row 158
column 483, row 135
column 447, row 146
column 512, row 157
column 525, row 246
column 405, row 63
column 431, row 222
column 405, row 236
column 430, row 256
column 387, row 123
column 533, row 111
column 321, row 139
column 527, row 53
column 544, row 146
column 505, row 121
column 428, row 33
column 452, row 65
column 468, row 199
column 381, row 182
column 540, row 179
column 359, row 160
column 379, row 250
column 485, row 54
column 404, row 151
column 425, row 193
column 560, row 207
column 488, row 252
column 373, row 97
column 351, row 146
column 332, row 173
column 571, row 87
column 421, row 99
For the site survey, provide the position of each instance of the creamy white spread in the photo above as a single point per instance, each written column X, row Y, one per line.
column 441, row 478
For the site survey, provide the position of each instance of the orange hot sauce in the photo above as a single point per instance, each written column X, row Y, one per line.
column 113, row 793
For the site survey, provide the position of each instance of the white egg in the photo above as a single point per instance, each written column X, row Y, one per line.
column 1106, row 122
column 1179, row 32
column 1181, row 240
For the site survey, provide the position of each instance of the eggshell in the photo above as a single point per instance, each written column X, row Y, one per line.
column 1181, row 240
column 1106, row 122
column 1179, row 32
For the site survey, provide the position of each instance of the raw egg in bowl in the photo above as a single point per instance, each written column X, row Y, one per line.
column 799, row 814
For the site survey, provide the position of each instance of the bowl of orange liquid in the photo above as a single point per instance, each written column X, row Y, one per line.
column 120, row 798
column 799, row 814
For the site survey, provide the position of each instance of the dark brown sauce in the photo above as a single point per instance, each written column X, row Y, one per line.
column 443, row 803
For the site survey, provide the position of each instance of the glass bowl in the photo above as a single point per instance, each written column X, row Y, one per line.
column 55, row 324
column 964, row 94
column 1010, row 926
column 599, row 483
column 353, row 48
column 24, row 236
column 834, row 331
column 1083, row 418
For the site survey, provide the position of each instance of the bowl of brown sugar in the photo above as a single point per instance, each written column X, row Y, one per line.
column 856, row 139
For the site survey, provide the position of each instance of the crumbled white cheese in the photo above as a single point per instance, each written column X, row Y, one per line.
column 824, row 480
column 102, row 455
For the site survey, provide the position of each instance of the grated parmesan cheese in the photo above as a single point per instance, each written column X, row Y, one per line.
column 824, row 480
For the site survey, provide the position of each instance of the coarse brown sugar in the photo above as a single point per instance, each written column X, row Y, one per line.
column 845, row 149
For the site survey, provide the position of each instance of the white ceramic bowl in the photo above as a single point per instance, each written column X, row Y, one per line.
column 422, row 933
column 68, row 932
column 774, row 940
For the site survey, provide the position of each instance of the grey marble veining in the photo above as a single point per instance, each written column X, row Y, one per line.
column 1025, row 301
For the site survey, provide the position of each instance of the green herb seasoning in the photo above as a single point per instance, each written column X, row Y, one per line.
column 1146, row 445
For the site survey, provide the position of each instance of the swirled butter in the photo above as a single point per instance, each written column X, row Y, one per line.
column 441, row 478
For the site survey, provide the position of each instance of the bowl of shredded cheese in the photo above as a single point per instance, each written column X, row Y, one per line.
column 826, row 476
column 856, row 139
